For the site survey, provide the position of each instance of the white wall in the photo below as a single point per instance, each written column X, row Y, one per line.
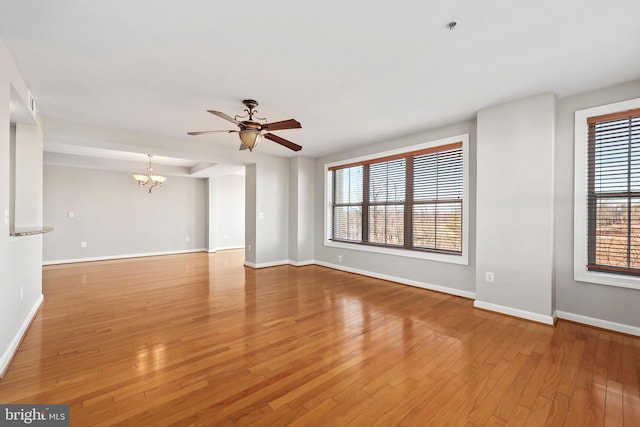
column 20, row 257
column 601, row 305
column 453, row 278
column 267, row 213
column 229, row 212
column 515, row 207
column 28, row 175
column 272, row 211
column 301, row 210
column 116, row 217
column 250, row 215
column 210, row 215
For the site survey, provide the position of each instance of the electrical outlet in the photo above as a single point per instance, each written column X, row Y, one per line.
column 339, row 258
column 249, row 248
column 21, row 293
column 71, row 214
column 6, row 217
column 188, row 239
column 489, row 277
column 83, row 244
column 261, row 215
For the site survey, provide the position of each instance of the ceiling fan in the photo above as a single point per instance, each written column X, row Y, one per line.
column 253, row 128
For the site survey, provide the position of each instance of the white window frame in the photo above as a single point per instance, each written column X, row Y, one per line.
column 580, row 271
column 462, row 259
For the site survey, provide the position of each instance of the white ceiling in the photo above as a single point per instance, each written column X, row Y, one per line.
column 352, row 72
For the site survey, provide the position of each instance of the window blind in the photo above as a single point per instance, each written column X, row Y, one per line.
column 613, row 193
column 347, row 203
column 411, row 200
column 438, row 188
column 387, row 187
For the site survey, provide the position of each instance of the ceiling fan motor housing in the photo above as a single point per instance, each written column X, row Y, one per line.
column 249, row 125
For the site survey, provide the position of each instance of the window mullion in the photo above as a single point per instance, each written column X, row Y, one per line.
column 629, row 205
column 408, row 203
column 435, row 212
column 333, row 204
column 365, row 203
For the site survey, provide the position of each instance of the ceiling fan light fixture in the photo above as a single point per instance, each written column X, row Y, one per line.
column 250, row 138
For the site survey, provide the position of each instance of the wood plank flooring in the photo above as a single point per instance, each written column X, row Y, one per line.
column 200, row 340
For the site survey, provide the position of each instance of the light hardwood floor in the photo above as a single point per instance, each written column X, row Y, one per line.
column 198, row 339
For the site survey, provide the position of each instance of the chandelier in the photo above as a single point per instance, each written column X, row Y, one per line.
column 150, row 180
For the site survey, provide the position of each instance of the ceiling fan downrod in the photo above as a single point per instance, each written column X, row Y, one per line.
column 251, row 104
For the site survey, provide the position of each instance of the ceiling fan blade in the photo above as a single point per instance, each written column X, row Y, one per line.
column 224, row 116
column 243, row 147
column 290, row 145
column 210, row 131
column 284, row 124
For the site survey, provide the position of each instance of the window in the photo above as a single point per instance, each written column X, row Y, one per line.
column 607, row 209
column 613, row 199
column 411, row 201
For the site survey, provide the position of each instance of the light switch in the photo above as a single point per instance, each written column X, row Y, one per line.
column 72, row 214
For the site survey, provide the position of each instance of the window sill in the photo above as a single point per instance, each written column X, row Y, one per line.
column 451, row 259
column 608, row 279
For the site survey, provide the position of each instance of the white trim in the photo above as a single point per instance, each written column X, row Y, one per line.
column 401, row 280
column 515, row 312
column 580, row 272
column 266, row 264
column 226, row 248
column 8, row 354
column 453, row 259
column 302, row 263
column 109, row 257
column 599, row 323
column 283, row 262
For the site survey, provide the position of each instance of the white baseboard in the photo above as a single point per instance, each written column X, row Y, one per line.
column 599, row 323
column 302, row 263
column 109, row 257
column 266, row 264
column 277, row 263
column 424, row 285
column 516, row 312
column 226, row 248
column 7, row 356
